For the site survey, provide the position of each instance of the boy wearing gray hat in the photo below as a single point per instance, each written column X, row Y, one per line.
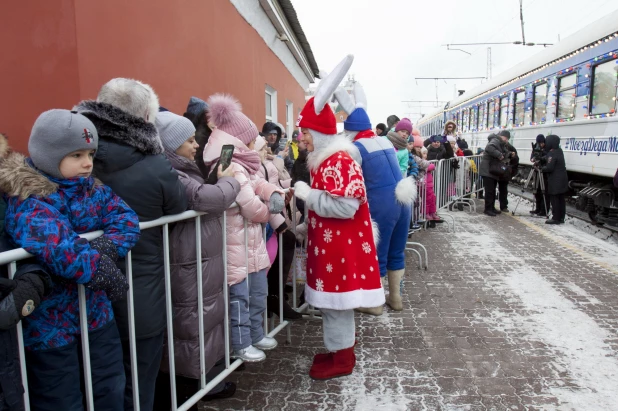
column 52, row 199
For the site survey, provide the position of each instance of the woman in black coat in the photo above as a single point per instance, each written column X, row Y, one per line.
column 558, row 180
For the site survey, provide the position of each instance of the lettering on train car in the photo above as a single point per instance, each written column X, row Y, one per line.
column 592, row 145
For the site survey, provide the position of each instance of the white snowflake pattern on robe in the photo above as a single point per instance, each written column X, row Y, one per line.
column 328, row 235
column 366, row 247
column 319, row 284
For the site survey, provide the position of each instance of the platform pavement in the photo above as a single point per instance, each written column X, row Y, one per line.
column 511, row 315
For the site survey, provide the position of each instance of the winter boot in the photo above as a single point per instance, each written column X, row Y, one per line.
column 394, row 287
column 339, row 364
column 377, row 311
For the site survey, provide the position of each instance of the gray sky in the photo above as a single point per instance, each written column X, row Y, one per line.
column 394, row 41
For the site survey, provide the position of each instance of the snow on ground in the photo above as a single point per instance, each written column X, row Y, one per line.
column 551, row 318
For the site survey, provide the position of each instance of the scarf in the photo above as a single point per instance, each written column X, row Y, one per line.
column 247, row 158
column 399, row 142
column 364, row 134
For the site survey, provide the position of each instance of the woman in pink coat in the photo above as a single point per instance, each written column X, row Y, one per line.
column 248, row 263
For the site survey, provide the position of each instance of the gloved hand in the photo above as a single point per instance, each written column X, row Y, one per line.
column 302, row 190
column 105, row 246
column 301, row 232
column 276, row 203
column 28, row 290
column 109, row 279
column 455, row 164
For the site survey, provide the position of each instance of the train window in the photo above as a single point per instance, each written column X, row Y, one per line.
column 465, row 121
column 566, row 96
column 504, row 111
column 458, row 122
column 604, row 88
column 474, row 112
column 539, row 104
column 491, row 116
column 520, row 105
column 482, row 118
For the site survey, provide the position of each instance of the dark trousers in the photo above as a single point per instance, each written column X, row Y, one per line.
column 149, row 354
column 503, row 192
column 185, row 388
column 55, row 376
column 542, row 202
column 490, row 192
column 289, row 245
column 558, row 207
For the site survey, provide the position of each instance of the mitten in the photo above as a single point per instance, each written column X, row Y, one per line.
column 302, row 190
column 455, row 164
column 109, row 279
column 29, row 288
column 276, row 203
column 301, row 232
column 106, row 247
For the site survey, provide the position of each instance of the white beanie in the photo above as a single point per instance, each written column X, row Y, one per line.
column 451, row 139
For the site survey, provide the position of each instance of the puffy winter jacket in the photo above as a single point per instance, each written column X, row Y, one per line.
column 495, row 150
column 214, row 200
column 44, row 216
column 558, row 179
column 130, row 160
column 254, row 191
column 269, row 172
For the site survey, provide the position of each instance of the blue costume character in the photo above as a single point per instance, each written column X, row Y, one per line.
column 390, row 196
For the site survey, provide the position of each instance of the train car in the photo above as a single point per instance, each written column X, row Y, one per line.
column 569, row 89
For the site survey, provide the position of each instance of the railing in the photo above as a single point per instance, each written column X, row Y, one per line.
column 11, row 257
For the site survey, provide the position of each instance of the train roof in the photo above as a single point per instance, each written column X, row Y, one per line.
column 601, row 28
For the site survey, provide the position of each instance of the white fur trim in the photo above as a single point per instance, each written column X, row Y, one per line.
column 302, row 190
column 345, row 301
column 337, row 143
column 376, row 232
column 406, row 191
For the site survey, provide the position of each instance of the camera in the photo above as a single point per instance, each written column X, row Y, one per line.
column 538, row 155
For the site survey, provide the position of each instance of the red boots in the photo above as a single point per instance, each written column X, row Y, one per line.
column 333, row 365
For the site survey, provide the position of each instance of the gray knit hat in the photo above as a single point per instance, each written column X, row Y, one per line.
column 57, row 133
column 173, row 129
column 196, row 106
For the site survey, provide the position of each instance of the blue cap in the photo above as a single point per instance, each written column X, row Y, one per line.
column 357, row 121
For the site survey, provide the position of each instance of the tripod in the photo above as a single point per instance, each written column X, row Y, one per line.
column 538, row 182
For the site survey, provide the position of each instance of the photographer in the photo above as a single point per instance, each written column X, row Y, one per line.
column 494, row 164
column 538, row 158
column 513, row 162
column 558, row 179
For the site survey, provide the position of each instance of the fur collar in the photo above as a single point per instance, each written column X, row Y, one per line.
column 18, row 179
column 337, row 143
column 115, row 124
column 4, row 146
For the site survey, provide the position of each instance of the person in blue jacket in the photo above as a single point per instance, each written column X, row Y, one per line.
column 51, row 199
column 389, row 194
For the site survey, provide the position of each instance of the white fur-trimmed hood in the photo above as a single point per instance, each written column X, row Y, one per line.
column 337, row 143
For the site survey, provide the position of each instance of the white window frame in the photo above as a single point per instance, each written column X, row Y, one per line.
column 273, row 104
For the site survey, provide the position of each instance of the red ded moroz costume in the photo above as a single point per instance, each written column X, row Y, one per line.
column 342, row 264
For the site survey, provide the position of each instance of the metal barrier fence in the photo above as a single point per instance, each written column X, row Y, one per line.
column 13, row 256
column 455, row 180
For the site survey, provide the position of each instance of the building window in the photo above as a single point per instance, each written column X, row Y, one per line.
column 604, row 88
column 539, row 111
column 520, row 105
column 566, row 96
column 271, row 104
column 289, row 118
column 482, row 117
column 504, row 111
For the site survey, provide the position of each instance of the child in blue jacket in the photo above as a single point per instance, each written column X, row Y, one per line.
column 51, row 198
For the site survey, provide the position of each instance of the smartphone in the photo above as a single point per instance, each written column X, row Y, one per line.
column 226, row 156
